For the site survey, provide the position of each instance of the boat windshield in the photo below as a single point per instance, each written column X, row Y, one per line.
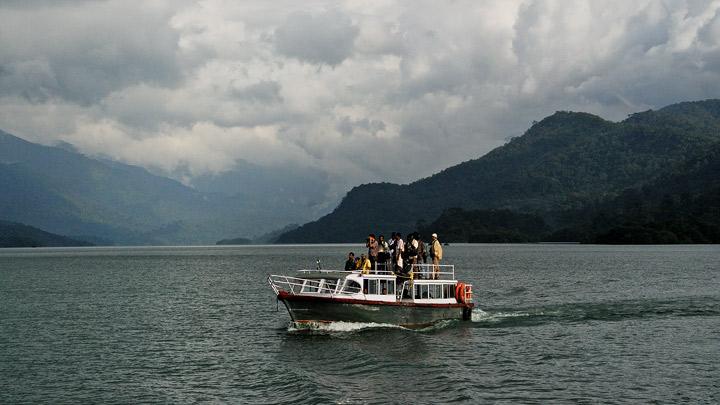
column 351, row 287
column 329, row 286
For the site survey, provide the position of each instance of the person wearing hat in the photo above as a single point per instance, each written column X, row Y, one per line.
column 436, row 255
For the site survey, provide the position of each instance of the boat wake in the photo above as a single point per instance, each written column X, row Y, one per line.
column 337, row 327
column 609, row 311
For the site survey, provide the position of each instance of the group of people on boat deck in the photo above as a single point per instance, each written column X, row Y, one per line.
column 399, row 256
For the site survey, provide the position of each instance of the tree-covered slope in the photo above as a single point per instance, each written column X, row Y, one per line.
column 681, row 206
column 487, row 226
column 561, row 163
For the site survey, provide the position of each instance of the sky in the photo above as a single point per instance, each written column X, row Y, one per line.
column 363, row 91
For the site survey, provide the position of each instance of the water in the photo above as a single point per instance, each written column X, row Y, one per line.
column 558, row 324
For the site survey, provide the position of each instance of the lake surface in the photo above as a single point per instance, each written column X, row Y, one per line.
column 559, row 323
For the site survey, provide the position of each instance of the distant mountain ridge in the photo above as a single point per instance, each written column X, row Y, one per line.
column 64, row 192
column 562, row 163
column 13, row 234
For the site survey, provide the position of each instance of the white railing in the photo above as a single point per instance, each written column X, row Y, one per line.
column 297, row 285
column 327, row 271
column 419, row 271
column 433, row 272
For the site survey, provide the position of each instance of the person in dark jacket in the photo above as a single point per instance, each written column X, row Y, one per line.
column 422, row 255
column 350, row 263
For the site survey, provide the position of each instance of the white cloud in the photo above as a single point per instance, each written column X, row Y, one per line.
column 364, row 90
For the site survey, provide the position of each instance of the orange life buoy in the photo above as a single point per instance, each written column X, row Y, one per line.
column 460, row 292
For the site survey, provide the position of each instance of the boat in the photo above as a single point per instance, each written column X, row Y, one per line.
column 427, row 294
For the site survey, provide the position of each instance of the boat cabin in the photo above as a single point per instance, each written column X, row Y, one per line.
column 424, row 284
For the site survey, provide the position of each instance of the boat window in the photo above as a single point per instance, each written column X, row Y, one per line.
column 372, row 287
column 387, row 287
column 369, row 286
column 432, row 291
column 417, row 291
column 449, row 290
column 424, row 291
column 351, row 287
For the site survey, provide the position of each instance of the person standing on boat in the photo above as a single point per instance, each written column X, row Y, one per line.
column 350, row 263
column 411, row 252
column 436, row 254
column 398, row 252
column 422, row 254
column 383, row 253
column 372, row 245
column 364, row 264
column 391, row 250
column 422, row 250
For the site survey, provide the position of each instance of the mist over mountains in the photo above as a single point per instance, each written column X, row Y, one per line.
column 652, row 178
column 562, row 169
column 106, row 202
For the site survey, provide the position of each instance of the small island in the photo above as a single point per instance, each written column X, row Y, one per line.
column 235, row 241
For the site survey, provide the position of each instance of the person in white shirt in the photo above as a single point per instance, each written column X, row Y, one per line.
column 398, row 252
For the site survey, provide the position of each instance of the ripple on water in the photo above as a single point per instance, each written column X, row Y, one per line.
column 554, row 324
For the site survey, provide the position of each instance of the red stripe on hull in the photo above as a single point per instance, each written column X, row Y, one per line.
column 284, row 295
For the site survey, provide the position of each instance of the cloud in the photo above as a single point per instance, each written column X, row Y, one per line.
column 364, row 91
column 82, row 51
column 348, row 126
column 325, row 38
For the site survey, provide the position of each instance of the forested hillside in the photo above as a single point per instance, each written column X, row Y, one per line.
column 681, row 206
column 562, row 165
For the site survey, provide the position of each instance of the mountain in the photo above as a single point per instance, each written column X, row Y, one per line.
column 680, row 206
column 487, row 226
column 64, row 192
column 563, row 163
column 13, row 234
column 272, row 236
column 292, row 193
